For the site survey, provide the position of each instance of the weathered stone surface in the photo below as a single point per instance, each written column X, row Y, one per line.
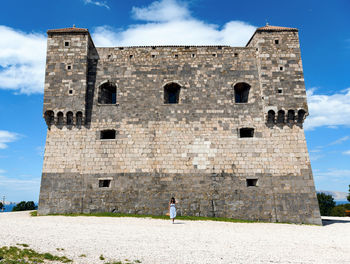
column 192, row 150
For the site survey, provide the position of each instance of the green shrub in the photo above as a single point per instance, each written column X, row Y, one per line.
column 326, row 203
column 24, row 206
column 338, row 210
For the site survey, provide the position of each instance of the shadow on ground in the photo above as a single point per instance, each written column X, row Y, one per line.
column 329, row 221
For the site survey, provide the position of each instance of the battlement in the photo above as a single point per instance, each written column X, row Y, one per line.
column 218, row 127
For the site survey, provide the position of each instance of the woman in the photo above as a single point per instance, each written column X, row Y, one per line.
column 172, row 209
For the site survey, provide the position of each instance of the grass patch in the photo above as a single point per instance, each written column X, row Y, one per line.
column 121, row 262
column 34, row 213
column 189, row 218
column 82, row 256
column 15, row 255
column 23, row 245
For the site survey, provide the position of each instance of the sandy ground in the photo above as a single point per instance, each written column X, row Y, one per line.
column 159, row 241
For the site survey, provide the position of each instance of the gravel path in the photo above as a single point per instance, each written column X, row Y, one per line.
column 159, row 241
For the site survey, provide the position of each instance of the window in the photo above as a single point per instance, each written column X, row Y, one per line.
column 69, row 67
column 107, row 93
column 79, row 118
column 277, row 41
column 280, row 90
column 271, row 117
column 241, row 92
column 281, row 68
column 301, row 115
column 104, row 183
column 236, row 54
column 214, row 54
column 49, row 118
column 70, row 91
column 171, row 93
column 176, row 56
column 252, row 182
column 193, row 55
column 69, row 118
column 107, row 134
column 153, row 56
column 131, row 56
column 60, row 119
column 280, row 116
column 66, row 44
column 291, row 116
column 246, row 132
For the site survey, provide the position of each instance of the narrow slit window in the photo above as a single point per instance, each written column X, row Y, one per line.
column 246, row 132
column 107, row 134
column 252, row 182
column 104, row 183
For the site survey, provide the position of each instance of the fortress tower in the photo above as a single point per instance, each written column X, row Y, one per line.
column 218, row 127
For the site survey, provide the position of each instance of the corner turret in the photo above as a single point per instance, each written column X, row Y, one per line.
column 281, row 74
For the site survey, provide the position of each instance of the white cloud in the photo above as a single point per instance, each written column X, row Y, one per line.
column 97, row 3
column 346, row 152
column 7, row 137
column 169, row 22
column 22, row 60
column 166, row 10
column 339, row 141
column 328, row 110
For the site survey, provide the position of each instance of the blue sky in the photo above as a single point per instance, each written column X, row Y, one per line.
column 325, row 44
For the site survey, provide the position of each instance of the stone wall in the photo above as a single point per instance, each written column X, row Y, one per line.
column 191, row 150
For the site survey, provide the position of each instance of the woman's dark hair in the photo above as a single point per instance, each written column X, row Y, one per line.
column 172, row 200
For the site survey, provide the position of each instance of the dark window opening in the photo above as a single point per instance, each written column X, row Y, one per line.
column 70, row 91
column 60, row 119
column 193, row 55
column 246, row 132
column 66, row 43
column 79, row 118
column 153, row 56
column 176, row 56
column 236, row 54
column 276, row 41
column 214, row 54
column 271, row 116
column 301, row 115
column 280, row 90
column 69, row 67
column 121, row 48
column 49, row 118
column 291, row 116
column 281, row 68
column 241, row 92
column 104, row 183
column 69, row 118
column 171, row 93
column 107, row 134
column 107, row 93
column 280, row 116
column 252, row 182
column 131, row 56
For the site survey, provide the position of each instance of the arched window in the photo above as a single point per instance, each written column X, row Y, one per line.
column 79, row 118
column 301, row 115
column 172, row 93
column 107, row 93
column 291, row 116
column 271, row 117
column 59, row 119
column 241, row 92
column 280, row 116
column 49, row 117
column 69, row 118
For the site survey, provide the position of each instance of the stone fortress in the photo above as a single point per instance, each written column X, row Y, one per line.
column 218, row 127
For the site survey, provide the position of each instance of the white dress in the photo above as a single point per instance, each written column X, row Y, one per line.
column 172, row 211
